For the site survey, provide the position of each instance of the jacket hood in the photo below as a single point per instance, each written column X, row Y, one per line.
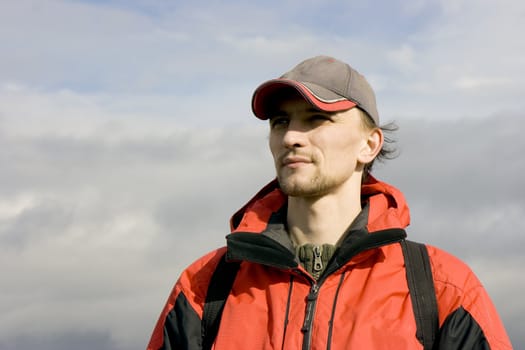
column 387, row 207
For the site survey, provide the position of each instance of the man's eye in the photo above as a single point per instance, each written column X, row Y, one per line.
column 278, row 122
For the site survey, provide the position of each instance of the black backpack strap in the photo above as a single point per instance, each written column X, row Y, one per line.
column 218, row 290
column 422, row 293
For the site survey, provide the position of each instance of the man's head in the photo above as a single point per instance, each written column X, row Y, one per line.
column 338, row 112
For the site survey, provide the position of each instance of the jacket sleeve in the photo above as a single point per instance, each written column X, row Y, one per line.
column 178, row 327
column 461, row 331
column 179, row 324
column 468, row 318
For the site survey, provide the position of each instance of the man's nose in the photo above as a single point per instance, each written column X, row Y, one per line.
column 295, row 136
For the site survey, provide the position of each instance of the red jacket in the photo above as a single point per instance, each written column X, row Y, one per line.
column 362, row 300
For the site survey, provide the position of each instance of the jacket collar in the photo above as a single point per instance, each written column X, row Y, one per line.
column 387, row 208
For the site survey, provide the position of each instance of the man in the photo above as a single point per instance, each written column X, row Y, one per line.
column 320, row 261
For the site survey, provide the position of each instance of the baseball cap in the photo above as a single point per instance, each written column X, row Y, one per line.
column 327, row 83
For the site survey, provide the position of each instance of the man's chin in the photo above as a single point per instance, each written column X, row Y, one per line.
column 300, row 189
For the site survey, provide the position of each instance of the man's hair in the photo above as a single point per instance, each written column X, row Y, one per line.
column 388, row 150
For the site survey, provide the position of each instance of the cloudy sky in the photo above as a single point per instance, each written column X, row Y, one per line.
column 126, row 141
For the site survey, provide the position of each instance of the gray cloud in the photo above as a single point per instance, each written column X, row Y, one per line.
column 72, row 340
column 113, row 221
column 464, row 176
column 35, row 224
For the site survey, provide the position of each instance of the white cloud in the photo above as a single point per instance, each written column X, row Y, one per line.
column 11, row 207
column 481, row 82
column 467, row 53
column 403, row 57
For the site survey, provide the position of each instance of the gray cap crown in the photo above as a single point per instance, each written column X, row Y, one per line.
column 329, row 80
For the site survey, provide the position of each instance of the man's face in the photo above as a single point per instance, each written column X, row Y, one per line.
column 315, row 153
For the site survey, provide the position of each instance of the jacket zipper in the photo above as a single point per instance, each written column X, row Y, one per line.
column 311, row 301
column 381, row 238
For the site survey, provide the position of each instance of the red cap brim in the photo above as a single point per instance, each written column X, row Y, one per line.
column 262, row 96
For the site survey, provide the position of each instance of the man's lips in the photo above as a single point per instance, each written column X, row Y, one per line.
column 295, row 161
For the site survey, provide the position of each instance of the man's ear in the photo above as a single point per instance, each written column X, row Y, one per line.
column 371, row 146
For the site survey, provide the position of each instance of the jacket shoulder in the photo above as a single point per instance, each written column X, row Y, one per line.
column 459, row 290
column 180, row 318
column 194, row 280
column 449, row 270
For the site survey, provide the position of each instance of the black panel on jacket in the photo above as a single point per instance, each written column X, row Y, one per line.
column 182, row 328
column 461, row 331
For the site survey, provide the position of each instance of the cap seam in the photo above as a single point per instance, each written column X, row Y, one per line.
column 324, row 87
column 348, row 79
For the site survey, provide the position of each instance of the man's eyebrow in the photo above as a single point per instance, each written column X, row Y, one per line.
column 276, row 113
column 315, row 110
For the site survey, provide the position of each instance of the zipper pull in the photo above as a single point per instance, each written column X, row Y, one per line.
column 318, row 262
column 311, row 300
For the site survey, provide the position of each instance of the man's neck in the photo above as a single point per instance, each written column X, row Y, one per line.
column 324, row 219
